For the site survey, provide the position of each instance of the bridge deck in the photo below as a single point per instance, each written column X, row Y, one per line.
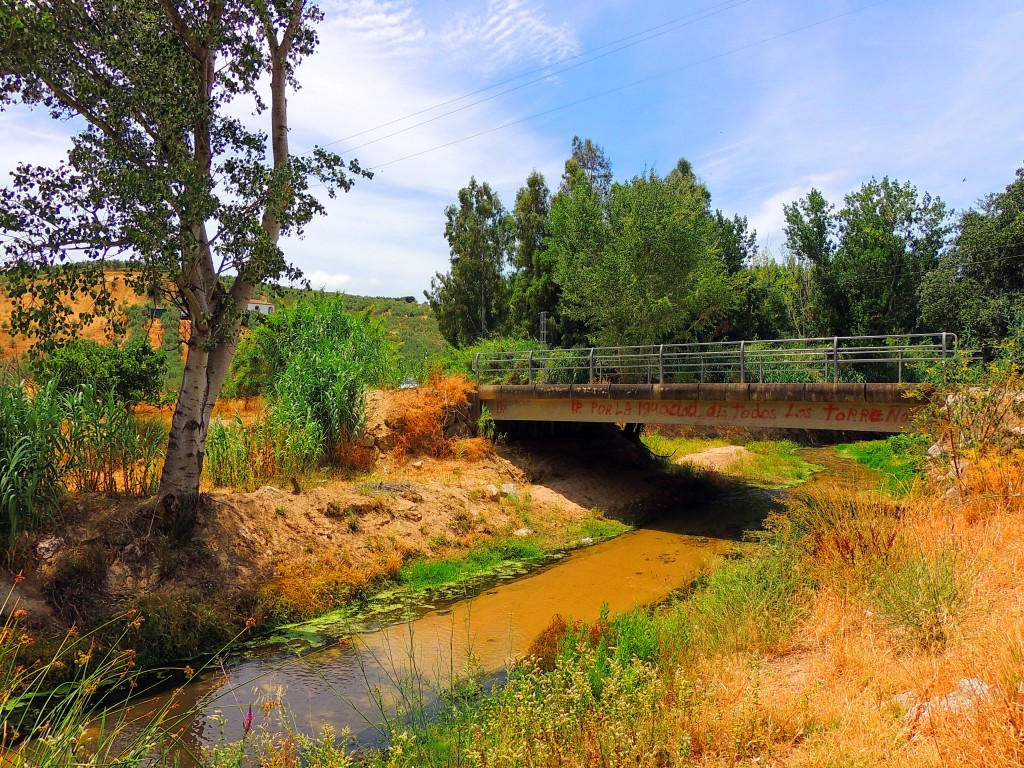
column 858, row 407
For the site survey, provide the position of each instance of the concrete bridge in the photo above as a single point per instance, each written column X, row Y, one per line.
column 726, row 384
column 857, row 407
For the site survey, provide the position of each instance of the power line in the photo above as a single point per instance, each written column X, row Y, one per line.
column 626, row 86
column 666, row 27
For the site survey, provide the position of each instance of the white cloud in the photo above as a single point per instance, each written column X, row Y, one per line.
column 324, row 281
column 508, row 32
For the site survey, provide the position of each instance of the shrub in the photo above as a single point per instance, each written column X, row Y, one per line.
column 419, row 416
column 923, row 597
column 314, row 362
column 134, row 373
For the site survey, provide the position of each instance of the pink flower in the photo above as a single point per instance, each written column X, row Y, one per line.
column 247, row 722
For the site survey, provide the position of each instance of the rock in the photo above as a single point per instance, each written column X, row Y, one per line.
column 418, row 464
column 906, row 700
column 123, row 579
column 47, row 548
column 508, row 489
column 969, row 693
column 491, row 492
column 402, row 504
column 413, row 516
column 972, row 686
column 522, row 532
column 268, row 488
column 587, row 540
column 936, row 450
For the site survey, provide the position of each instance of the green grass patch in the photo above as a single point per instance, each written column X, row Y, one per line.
column 776, row 464
column 680, row 446
column 901, row 458
column 768, row 463
column 425, row 574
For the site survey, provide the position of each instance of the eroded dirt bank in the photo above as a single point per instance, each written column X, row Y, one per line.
column 279, row 556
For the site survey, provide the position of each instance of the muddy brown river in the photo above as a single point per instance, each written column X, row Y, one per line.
column 346, row 684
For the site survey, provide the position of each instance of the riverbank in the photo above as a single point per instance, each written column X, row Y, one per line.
column 872, row 624
column 276, row 556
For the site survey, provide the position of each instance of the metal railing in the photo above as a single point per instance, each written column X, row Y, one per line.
column 832, row 358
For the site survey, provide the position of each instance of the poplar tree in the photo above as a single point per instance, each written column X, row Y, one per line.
column 162, row 173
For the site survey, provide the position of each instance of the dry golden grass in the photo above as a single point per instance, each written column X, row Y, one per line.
column 303, row 588
column 418, row 418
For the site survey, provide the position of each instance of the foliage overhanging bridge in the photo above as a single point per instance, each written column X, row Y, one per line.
column 860, row 383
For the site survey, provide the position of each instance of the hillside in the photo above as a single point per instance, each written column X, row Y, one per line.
column 411, row 325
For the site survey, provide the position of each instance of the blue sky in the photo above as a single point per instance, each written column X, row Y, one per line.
column 766, row 98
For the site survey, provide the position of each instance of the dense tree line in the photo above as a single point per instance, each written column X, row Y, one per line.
column 648, row 260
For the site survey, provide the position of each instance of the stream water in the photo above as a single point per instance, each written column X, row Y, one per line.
column 345, row 683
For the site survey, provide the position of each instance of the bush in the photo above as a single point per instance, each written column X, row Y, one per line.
column 314, row 362
column 134, row 372
column 923, row 598
column 419, row 416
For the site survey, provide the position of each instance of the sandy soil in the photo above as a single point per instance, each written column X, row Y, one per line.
column 717, row 459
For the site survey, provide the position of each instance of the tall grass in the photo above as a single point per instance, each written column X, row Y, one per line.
column 54, row 441
column 33, row 457
column 243, row 456
column 111, row 450
column 314, row 362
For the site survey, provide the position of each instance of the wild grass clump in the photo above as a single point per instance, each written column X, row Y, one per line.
column 751, row 602
column 244, row 456
column 849, row 534
column 924, row 597
column 53, row 441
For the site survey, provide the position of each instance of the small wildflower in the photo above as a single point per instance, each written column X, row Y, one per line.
column 19, row 615
column 189, row 672
column 250, row 623
column 73, row 631
column 247, row 722
column 20, row 577
column 26, row 640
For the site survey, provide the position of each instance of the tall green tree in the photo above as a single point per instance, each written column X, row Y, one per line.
column 736, row 243
column 162, row 174
column 533, row 283
column 588, row 164
column 890, row 236
column 978, row 286
column 643, row 267
column 471, row 300
column 819, row 305
column 867, row 259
